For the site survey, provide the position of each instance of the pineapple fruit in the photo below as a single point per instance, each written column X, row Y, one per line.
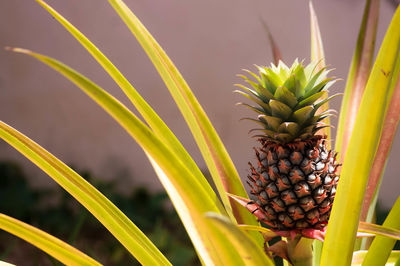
column 294, row 182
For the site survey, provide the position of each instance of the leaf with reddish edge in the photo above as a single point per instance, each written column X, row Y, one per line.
column 149, row 115
column 317, row 48
column 358, row 76
column 375, row 229
column 250, row 205
column 390, row 125
column 250, row 252
column 317, row 55
column 342, row 228
column 222, row 169
column 276, row 53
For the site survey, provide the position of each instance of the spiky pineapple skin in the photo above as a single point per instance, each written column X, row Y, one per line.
column 294, row 184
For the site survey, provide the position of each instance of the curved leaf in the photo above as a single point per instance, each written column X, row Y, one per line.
column 343, row 223
column 184, row 189
column 249, row 250
column 214, row 153
column 222, row 252
column 106, row 212
column 151, row 117
column 381, row 246
column 358, row 76
column 48, row 243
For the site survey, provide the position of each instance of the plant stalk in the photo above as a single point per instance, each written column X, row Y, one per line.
column 300, row 251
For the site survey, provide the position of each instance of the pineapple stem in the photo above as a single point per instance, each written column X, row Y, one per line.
column 300, row 251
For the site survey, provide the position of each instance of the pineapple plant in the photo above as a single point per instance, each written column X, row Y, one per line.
column 293, row 182
column 222, row 232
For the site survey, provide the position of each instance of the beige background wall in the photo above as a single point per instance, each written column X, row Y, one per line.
column 210, row 42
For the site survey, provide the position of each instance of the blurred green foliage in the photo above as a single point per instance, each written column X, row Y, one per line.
column 56, row 212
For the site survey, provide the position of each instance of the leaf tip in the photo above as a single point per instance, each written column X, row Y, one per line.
column 311, row 7
column 17, row 50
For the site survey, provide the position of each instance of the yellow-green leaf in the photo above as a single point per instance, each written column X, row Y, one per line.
column 214, row 153
column 358, row 76
column 249, row 250
column 317, row 55
column 376, row 229
column 381, row 246
column 188, row 196
column 214, row 250
column 151, row 117
column 265, row 231
column 343, row 223
column 106, row 212
column 48, row 243
column 390, row 125
column 359, row 256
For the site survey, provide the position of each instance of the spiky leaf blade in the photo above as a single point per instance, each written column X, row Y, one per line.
column 214, row 153
column 360, row 68
column 48, row 243
column 318, row 56
column 107, row 213
column 151, row 117
column 250, row 251
column 381, row 246
column 340, row 237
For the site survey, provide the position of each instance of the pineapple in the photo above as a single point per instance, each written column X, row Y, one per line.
column 294, row 182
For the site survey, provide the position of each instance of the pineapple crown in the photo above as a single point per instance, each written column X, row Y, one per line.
column 287, row 100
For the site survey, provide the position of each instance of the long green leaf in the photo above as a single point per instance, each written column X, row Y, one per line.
column 342, row 226
column 263, row 230
column 106, row 212
column 188, row 196
column 358, row 76
column 151, row 117
column 317, row 55
column 214, row 153
column 359, row 257
column 227, row 254
column 381, row 246
column 370, row 217
column 390, row 125
column 225, row 251
column 381, row 230
column 49, row 244
column 250, row 251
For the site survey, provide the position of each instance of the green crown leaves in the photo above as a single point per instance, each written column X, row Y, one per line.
column 287, row 100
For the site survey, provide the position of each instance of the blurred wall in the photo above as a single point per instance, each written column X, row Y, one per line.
column 210, row 42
